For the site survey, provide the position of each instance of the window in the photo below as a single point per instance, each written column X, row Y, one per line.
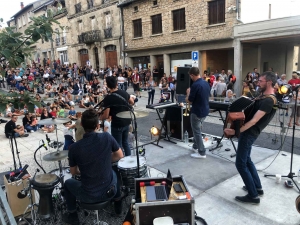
column 19, row 22
column 90, row 4
column 136, row 8
column 78, row 8
column 80, row 26
column 179, row 19
column 108, row 20
column 156, row 24
column 23, row 20
column 154, row 3
column 137, row 28
column 93, row 21
column 28, row 17
column 216, row 12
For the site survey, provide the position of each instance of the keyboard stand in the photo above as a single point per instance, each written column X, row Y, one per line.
column 220, row 140
column 163, row 129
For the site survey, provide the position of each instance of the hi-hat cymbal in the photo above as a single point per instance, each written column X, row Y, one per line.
column 51, row 121
column 56, row 156
column 128, row 114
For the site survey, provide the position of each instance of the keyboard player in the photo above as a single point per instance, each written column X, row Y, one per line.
column 198, row 97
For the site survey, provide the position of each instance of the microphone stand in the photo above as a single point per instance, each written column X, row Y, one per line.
column 291, row 174
column 12, row 142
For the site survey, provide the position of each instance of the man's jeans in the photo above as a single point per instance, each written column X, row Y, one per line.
column 30, row 128
column 196, row 124
column 121, row 136
column 74, row 190
column 245, row 166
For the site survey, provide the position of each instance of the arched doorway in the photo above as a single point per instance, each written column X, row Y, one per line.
column 84, row 56
column 111, row 56
column 96, row 58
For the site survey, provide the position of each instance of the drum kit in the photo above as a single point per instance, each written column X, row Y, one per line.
column 128, row 168
column 45, row 183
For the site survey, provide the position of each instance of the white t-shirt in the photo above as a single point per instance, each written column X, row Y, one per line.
column 121, row 80
column 108, row 125
column 46, row 75
column 67, row 131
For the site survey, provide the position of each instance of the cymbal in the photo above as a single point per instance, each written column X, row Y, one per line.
column 128, row 114
column 51, row 121
column 56, row 156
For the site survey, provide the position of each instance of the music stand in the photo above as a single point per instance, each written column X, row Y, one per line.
column 291, row 174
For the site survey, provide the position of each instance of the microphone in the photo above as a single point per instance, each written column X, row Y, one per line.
column 44, row 145
column 22, row 194
column 22, row 172
column 47, row 138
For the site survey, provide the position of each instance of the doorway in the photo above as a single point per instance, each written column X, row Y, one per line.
column 96, row 58
column 160, row 65
column 84, row 56
column 111, row 56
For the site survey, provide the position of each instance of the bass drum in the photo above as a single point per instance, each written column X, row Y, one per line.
column 128, row 170
column 298, row 203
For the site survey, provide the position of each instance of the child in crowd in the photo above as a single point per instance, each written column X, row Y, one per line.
column 72, row 113
column 60, row 112
column 48, row 128
column 69, row 135
column 107, row 125
column 53, row 112
column 131, row 138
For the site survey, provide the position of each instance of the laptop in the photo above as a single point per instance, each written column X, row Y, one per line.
column 160, row 193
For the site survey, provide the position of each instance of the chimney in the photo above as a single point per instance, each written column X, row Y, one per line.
column 22, row 5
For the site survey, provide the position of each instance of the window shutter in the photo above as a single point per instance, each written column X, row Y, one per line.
column 221, row 11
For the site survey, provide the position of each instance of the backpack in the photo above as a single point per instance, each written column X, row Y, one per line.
column 233, row 78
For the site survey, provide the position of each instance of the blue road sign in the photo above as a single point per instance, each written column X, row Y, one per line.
column 195, row 55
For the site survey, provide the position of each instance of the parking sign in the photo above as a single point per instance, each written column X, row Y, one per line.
column 195, row 55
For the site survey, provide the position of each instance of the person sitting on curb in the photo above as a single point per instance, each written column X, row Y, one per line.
column 12, row 129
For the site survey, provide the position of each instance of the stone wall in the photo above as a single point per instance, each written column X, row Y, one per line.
column 197, row 26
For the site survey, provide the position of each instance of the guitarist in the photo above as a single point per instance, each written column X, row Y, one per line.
column 262, row 113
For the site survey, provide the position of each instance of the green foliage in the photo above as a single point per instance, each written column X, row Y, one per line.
column 14, row 46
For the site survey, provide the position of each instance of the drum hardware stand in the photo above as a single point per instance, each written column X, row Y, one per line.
column 31, row 205
column 291, row 175
column 219, row 141
column 12, row 140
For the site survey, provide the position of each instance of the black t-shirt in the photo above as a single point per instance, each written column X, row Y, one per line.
column 92, row 155
column 115, row 100
column 155, row 72
column 266, row 105
column 9, row 128
column 26, row 121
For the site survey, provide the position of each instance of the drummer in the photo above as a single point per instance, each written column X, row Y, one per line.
column 91, row 157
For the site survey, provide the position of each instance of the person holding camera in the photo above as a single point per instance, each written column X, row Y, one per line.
column 85, row 158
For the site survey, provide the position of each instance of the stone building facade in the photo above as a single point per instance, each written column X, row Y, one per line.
column 163, row 33
column 95, row 32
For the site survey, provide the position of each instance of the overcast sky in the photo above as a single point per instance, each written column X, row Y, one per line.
column 8, row 8
column 252, row 10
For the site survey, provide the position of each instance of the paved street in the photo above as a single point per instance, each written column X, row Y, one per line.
column 214, row 182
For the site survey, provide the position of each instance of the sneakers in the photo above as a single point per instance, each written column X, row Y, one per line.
column 70, row 218
column 247, row 199
column 198, row 156
column 31, row 131
column 194, row 149
column 118, row 207
column 259, row 192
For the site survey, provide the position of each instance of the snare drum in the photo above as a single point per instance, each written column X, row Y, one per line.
column 45, row 184
column 128, row 170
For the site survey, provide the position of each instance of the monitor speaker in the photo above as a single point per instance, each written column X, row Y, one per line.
column 183, row 80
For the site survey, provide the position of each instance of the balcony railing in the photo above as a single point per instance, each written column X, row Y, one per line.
column 108, row 32
column 78, row 8
column 89, row 37
column 57, row 41
column 64, row 40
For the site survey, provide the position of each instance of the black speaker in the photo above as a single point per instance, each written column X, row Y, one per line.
column 183, row 80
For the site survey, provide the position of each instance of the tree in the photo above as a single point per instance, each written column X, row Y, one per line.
column 15, row 46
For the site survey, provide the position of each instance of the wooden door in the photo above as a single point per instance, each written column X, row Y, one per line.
column 83, row 59
column 111, row 58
